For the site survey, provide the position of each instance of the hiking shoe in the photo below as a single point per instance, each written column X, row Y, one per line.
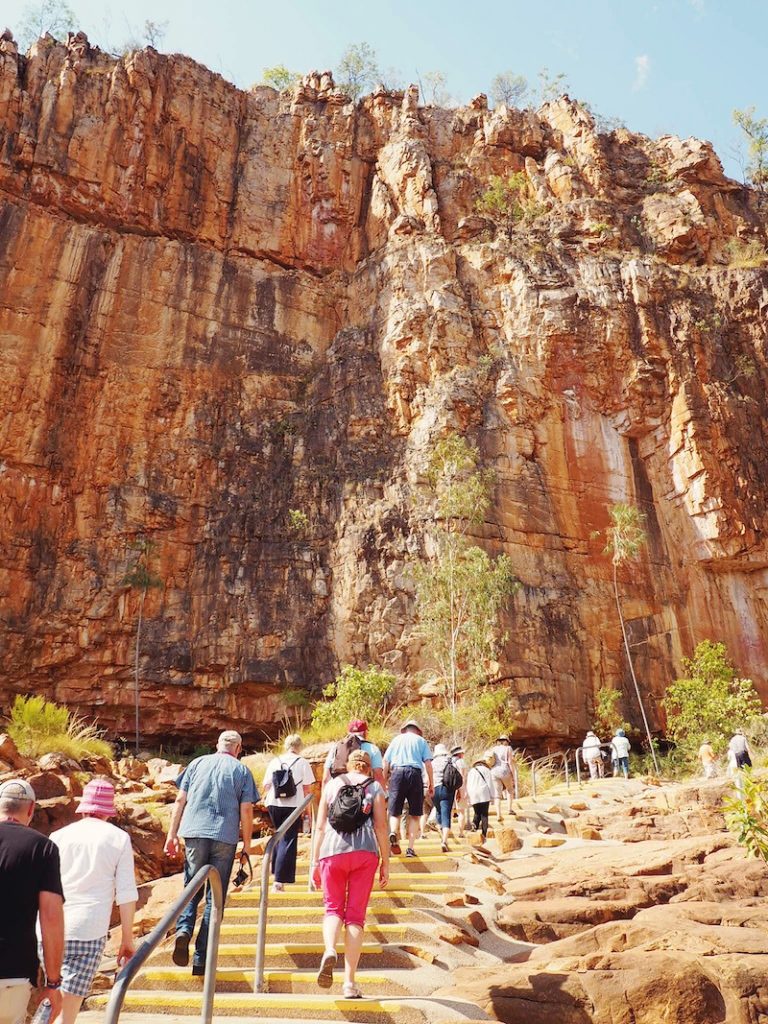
column 198, row 970
column 325, row 974
column 180, row 955
column 444, row 847
column 410, row 852
column 350, row 990
column 394, row 843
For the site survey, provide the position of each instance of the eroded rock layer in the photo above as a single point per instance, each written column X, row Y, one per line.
column 217, row 306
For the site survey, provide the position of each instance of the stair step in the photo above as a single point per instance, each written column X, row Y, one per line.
column 240, row 979
column 395, row 931
column 383, row 913
column 287, row 1004
column 294, row 954
column 292, row 896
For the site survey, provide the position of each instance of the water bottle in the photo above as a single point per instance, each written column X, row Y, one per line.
column 43, row 1013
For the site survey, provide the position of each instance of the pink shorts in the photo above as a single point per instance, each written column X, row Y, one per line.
column 347, row 882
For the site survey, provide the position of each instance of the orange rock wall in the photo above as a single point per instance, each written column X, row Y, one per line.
column 216, row 306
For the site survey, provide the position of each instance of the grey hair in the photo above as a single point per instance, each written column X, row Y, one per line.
column 228, row 740
column 293, row 742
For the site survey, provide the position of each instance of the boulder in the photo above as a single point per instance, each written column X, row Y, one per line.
column 9, row 753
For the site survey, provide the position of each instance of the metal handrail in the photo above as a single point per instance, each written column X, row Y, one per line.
column 580, row 757
column 208, row 874
column 266, row 864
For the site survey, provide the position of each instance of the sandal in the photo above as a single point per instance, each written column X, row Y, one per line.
column 325, row 974
column 351, row 991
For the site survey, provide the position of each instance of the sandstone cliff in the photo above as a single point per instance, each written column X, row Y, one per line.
column 216, row 306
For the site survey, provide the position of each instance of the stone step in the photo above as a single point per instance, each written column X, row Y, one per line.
column 379, row 912
column 308, row 931
column 240, row 979
column 287, row 1005
column 292, row 897
column 294, row 954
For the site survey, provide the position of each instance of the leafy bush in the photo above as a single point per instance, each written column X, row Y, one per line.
column 711, row 702
column 746, row 254
column 746, row 813
column 608, row 717
column 356, row 693
column 38, row 727
column 509, row 201
column 478, row 719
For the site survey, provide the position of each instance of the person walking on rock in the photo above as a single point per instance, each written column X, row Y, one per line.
column 96, row 873
column 504, row 770
column 215, row 801
column 620, row 748
column 481, row 790
column 407, row 756
column 288, row 780
column 590, row 751
column 356, row 739
column 461, row 803
column 448, row 780
column 708, row 760
column 30, row 885
column 349, row 844
column 739, row 747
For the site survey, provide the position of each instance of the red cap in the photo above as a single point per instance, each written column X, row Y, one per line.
column 357, row 725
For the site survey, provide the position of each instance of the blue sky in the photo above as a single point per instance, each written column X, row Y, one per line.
column 677, row 66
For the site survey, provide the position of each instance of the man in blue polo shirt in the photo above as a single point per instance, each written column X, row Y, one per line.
column 215, row 801
column 405, row 760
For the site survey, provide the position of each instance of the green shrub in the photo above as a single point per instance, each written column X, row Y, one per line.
column 38, row 726
column 356, row 693
column 746, row 813
column 608, row 716
column 509, row 201
column 712, row 702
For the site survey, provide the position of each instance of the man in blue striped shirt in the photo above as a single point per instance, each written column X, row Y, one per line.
column 215, row 801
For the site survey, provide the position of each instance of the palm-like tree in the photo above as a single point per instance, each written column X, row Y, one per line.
column 140, row 577
column 625, row 538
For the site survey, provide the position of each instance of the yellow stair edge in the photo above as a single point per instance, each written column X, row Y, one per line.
column 256, row 1001
column 296, row 912
column 287, row 948
column 245, row 975
column 301, row 928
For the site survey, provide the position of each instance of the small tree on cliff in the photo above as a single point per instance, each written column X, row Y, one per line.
column 140, row 577
column 358, row 69
column 756, row 132
column 460, row 589
column 509, row 89
column 54, row 16
column 625, row 538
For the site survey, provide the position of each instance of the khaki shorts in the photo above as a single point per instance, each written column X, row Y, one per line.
column 14, row 999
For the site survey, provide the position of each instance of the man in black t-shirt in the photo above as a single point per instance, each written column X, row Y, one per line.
column 30, row 884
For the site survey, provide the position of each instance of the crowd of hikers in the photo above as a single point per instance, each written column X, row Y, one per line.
column 57, row 893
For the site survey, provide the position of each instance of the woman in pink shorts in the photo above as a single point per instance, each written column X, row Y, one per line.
column 349, row 844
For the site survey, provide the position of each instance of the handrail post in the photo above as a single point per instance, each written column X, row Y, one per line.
column 533, row 780
column 125, row 976
column 266, row 864
column 578, row 765
column 567, row 773
column 212, row 953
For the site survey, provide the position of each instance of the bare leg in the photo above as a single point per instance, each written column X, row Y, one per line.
column 394, row 826
column 70, row 1007
column 332, row 932
column 353, row 944
column 413, row 830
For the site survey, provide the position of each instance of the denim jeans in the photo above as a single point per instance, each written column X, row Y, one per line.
column 443, row 805
column 200, row 852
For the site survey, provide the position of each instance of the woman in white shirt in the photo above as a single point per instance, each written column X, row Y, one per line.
column 282, row 807
column 504, row 770
column 96, row 872
column 481, row 790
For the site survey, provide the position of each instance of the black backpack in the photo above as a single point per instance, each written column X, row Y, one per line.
column 341, row 753
column 283, row 782
column 451, row 776
column 348, row 812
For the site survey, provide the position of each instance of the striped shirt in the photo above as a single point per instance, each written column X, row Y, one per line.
column 216, row 785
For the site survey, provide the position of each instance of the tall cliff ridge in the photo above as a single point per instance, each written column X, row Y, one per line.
column 217, row 306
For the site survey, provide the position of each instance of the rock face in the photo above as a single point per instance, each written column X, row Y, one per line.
column 217, row 306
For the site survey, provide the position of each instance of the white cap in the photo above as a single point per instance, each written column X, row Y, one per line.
column 17, row 789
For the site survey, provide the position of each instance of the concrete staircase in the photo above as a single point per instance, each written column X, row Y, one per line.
column 404, row 958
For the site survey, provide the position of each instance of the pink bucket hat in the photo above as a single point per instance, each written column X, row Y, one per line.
column 98, row 798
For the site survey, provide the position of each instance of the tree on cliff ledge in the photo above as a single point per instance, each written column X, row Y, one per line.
column 460, row 589
column 625, row 538
column 54, row 16
column 140, row 577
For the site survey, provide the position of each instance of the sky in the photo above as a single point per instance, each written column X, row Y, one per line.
column 661, row 66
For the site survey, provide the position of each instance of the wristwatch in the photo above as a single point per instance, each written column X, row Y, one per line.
column 52, row 984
